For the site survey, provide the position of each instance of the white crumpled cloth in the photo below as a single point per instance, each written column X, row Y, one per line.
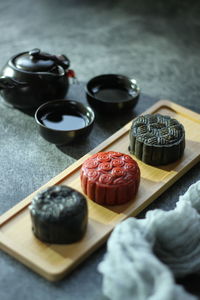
column 143, row 256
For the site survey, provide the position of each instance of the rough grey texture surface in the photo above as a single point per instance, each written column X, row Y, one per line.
column 157, row 42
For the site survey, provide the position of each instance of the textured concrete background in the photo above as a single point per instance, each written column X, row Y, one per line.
column 156, row 42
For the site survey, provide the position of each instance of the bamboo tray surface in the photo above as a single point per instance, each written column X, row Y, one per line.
column 54, row 261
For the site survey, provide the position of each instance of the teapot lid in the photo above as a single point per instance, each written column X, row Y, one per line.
column 37, row 61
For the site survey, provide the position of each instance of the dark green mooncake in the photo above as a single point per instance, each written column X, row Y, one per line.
column 157, row 139
column 59, row 215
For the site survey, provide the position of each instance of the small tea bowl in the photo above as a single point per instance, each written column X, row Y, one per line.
column 63, row 121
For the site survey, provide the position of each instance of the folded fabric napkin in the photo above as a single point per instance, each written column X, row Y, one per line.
column 144, row 255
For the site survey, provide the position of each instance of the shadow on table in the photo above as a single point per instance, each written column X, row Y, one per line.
column 104, row 127
column 191, row 283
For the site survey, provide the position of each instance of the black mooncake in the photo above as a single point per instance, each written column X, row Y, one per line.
column 59, row 215
column 157, row 139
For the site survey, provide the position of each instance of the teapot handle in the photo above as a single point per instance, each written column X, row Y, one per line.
column 9, row 83
column 60, row 60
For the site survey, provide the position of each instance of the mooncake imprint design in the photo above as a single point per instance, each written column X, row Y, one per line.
column 141, row 252
column 59, row 215
column 110, row 178
column 157, row 139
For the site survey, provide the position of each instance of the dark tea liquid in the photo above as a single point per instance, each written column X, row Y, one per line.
column 112, row 94
column 62, row 121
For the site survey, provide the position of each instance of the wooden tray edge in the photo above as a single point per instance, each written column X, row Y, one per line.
column 62, row 175
column 59, row 273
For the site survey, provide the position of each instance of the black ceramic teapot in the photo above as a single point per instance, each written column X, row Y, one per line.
column 32, row 78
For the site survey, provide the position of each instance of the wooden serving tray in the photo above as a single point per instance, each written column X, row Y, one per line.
column 54, row 261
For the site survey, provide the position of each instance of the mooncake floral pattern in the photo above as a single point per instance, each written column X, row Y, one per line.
column 113, row 165
column 157, row 139
column 157, row 129
column 110, row 178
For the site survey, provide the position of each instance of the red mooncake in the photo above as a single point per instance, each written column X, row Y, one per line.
column 110, row 178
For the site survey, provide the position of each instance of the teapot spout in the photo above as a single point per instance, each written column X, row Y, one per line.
column 10, row 83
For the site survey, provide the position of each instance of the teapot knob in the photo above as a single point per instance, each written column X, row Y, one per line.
column 61, row 60
column 34, row 52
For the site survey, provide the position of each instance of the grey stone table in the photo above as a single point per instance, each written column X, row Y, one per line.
column 158, row 43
